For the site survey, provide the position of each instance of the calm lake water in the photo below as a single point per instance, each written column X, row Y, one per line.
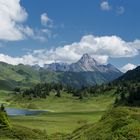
column 13, row 111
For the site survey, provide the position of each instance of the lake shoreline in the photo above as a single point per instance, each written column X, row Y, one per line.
column 18, row 112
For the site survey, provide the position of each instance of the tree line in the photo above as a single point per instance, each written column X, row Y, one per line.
column 128, row 93
column 42, row 90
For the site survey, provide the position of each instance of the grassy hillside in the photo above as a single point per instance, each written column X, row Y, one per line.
column 8, row 130
column 74, row 119
column 66, row 103
column 92, row 117
column 22, row 133
column 23, row 75
column 121, row 123
column 20, row 75
column 4, row 121
column 67, row 113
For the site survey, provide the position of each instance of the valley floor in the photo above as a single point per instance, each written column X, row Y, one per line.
column 66, row 113
column 70, row 118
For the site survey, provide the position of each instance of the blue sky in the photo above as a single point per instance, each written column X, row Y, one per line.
column 44, row 31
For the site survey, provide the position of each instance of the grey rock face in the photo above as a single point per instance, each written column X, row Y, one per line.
column 85, row 64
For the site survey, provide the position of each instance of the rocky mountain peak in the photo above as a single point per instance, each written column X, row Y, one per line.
column 85, row 64
column 86, row 59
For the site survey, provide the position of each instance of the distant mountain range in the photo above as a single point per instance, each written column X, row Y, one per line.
column 85, row 64
column 84, row 72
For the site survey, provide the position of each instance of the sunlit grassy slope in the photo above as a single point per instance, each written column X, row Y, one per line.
column 66, row 103
column 121, row 123
column 66, row 113
column 73, row 119
column 20, row 75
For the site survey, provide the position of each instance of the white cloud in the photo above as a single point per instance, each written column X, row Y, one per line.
column 12, row 15
column 27, row 59
column 102, row 59
column 120, row 10
column 101, row 48
column 127, row 67
column 105, row 6
column 46, row 21
column 135, row 44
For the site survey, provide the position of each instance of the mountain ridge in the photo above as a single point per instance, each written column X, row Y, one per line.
column 131, row 75
column 84, row 72
column 85, row 64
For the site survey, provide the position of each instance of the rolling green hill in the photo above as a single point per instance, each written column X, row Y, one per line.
column 121, row 122
column 116, row 124
column 23, row 75
column 20, row 75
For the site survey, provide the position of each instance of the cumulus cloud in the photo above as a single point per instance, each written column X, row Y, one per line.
column 127, row 67
column 100, row 48
column 105, row 6
column 46, row 21
column 29, row 59
column 120, row 10
column 11, row 17
column 135, row 44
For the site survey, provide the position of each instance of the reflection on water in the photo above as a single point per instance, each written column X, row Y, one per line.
column 13, row 111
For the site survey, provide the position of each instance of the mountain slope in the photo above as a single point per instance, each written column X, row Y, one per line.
column 128, row 88
column 131, row 75
column 76, row 79
column 84, row 72
column 85, row 64
column 20, row 75
column 57, row 67
column 117, row 124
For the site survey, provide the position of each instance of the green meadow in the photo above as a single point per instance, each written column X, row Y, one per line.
column 71, row 118
column 64, row 114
